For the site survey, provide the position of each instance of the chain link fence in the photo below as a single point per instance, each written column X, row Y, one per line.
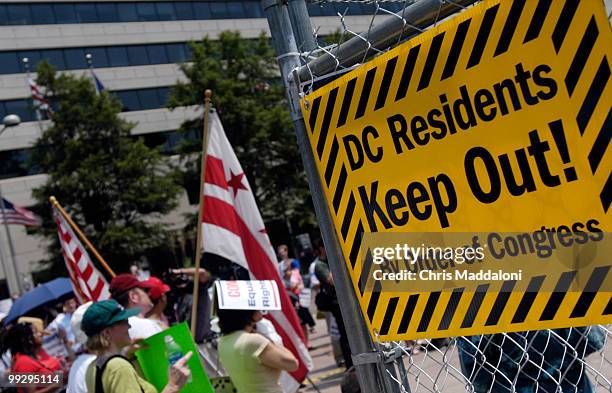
column 551, row 361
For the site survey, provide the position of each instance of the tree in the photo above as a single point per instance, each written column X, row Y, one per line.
column 115, row 188
column 250, row 99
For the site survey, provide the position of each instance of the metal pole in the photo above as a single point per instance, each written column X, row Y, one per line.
column 370, row 371
column 410, row 21
column 300, row 23
column 11, row 248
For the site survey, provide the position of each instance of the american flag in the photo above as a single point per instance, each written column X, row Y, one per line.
column 40, row 102
column 12, row 214
column 233, row 229
column 88, row 283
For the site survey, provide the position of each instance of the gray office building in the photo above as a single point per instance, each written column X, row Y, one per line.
column 135, row 47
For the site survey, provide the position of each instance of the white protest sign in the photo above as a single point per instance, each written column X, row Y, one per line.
column 248, row 295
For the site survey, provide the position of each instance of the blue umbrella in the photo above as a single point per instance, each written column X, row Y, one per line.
column 45, row 293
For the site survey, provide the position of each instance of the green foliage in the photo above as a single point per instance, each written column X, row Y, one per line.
column 250, row 99
column 114, row 187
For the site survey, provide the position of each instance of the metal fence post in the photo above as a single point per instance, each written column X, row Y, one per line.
column 300, row 23
column 370, row 371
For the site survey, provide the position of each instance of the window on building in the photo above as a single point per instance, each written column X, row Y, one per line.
column 219, row 10
column 99, row 57
column 42, row 14
column 86, row 12
column 117, row 56
column 75, row 58
column 146, row 12
column 107, row 12
column 157, row 54
column 18, row 14
column 9, row 63
column 202, row 10
column 127, row 12
column 235, row 10
column 55, row 57
column 184, row 10
column 137, row 55
column 165, row 11
column 149, row 99
column 177, row 53
column 65, row 13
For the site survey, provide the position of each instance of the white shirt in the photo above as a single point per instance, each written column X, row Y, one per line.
column 142, row 327
column 62, row 321
column 314, row 281
column 76, row 378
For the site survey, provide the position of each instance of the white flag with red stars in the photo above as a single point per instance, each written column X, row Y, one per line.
column 233, row 228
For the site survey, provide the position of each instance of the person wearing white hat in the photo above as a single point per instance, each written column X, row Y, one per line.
column 76, row 378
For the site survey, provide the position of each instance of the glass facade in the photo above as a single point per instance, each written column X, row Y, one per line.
column 103, row 56
column 132, row 100
column 151, row 11
column 16, row 163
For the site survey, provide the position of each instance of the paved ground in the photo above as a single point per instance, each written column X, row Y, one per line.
column 326, row 375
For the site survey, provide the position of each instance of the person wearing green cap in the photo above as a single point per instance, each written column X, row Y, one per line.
column 106, row 325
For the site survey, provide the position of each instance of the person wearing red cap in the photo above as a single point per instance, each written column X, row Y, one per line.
column 131, row 293
column 157, row 293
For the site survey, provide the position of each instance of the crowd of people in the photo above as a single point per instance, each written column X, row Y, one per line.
column 92, row 345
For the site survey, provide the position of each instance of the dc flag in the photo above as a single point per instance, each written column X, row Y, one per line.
column 232, row 228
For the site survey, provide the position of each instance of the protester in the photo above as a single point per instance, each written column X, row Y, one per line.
column 76, row 378
column 253, row 362
column 282, row 252
column 106, row 325
column 61, row 323
column 131, row 294
column 327, row 300
column 292, row 280
column 24, row 340
column 157, row 294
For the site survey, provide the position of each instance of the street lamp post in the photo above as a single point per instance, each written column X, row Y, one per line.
column 8, row 122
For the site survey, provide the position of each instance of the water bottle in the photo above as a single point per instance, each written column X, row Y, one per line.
column 174, row 353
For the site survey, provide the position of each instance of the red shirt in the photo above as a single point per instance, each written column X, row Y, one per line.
column 43, row 364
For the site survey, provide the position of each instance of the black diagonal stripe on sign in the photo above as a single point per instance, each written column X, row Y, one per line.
column 386, row 83
column 537, row 21
column 455, row 50
column 430, row 308
column 329, row 111
column 386, row 324
column 472, row 311
column 582, row 54
column 374, row 301
column 408, row 313
column 346, row 102
column 314, row 112
column 411, row 59
column 509, row 27
column 590, row 290
column 527, row 300
column 601, row 143
column 483, row 36
column 430, row 62
column 556, row 298
column 500, row 302
column 594, row 94
column 348, row 216
column 339, row 189
column 365, row 93
column 606, row 194
column 608, row 309
column 564, row 22
column 356, row 244
column 449, row 313
column 331, row 161
column 365, row 271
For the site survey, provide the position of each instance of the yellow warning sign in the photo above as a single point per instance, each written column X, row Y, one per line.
column 496, row 120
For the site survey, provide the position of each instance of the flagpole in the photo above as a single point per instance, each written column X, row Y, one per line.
column 11, row 248
column 26, row 64
column 198, row 251
column 88, row 244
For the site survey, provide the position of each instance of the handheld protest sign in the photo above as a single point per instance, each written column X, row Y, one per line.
column 153, row 360
column 496, row 120
column 248, row 295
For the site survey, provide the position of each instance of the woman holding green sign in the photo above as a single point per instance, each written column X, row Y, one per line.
column 106, row 325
